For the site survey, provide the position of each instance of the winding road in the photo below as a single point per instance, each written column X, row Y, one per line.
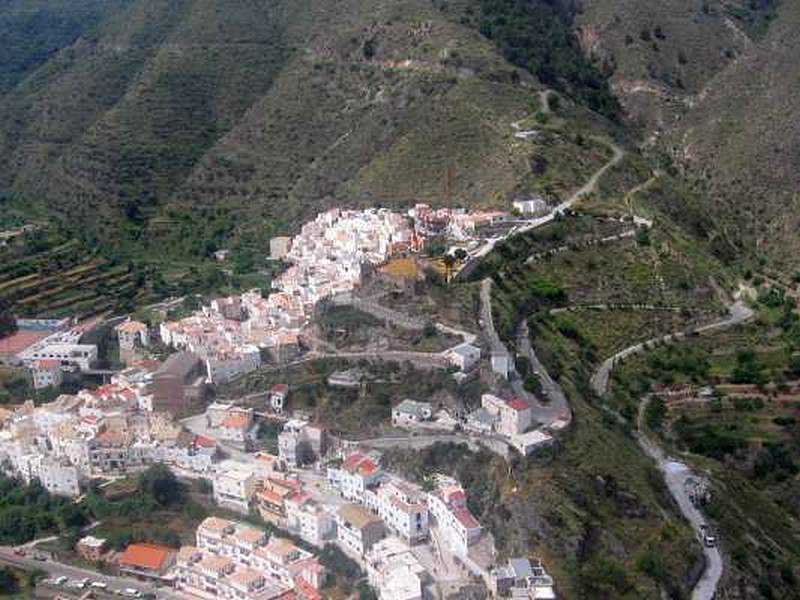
column 557, row 407
column 587, row 188
column 738, row 312
column 675, row 474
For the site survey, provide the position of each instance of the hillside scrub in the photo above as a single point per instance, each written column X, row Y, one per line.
column 537, row 35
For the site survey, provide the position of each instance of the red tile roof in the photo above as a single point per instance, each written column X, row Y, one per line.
column 455, row 495
column 132, row 327
column 235, row 421
column 21, row 340
column 204, row 442
column 352, row 461
column 358, row 463
column 367, row 467
column 518, row 404
column 279, row 388
column 145, row 556
column 271, row 497
column 306, row 590
column 47, row 363
column 465, row 518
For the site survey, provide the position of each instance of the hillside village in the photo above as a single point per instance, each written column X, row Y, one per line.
column 411, row 540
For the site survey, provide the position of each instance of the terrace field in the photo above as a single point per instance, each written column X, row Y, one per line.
column 656, row 267
column 44, row 274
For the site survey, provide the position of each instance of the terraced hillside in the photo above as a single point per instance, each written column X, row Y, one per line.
column 46, row 275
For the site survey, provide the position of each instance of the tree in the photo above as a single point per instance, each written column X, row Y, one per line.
column 160, row 483
column 70, row 516
column 8, row 323
column 8, row 581
column 34, row 577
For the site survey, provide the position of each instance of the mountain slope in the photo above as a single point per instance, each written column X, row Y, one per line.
column 747, row 143
column 169, row 104
column 714, row 84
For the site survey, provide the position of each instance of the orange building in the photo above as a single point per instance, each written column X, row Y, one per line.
column 146, row 560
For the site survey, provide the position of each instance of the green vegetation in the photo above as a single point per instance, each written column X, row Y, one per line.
column 562, row 263
column 16, row 387
column 538, row 36
column 746, row 438
column 8, row 581
column 44, row 272
column 596, row 492
column 350, row 411
column 30, row 511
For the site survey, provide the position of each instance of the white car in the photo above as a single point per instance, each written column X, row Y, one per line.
column 132, row 593
column 98, row 585
column 60, row 580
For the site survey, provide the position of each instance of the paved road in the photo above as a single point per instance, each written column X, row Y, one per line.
column 56, row 569
column 738, row 312
column 586, row 189
column 620, row 306
column 557, row 407
column 588, row 244
column 418, row 441
column 487, row 320
column 675, row 475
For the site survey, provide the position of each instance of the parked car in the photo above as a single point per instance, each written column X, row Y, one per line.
column 98, row 585
column 60, row 580
column 707, row 536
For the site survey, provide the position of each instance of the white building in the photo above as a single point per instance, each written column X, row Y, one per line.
column 522, row 579
column 46, row 373
column 465, row 357
column 513, row 416
column 279, row 247
column 394, row 571
column 411, row 412
column 308, row 519
column 231, row 423
column 280, row 560
column 56, row 475
column 278, row 394
column 448, row 506
column 352, row 478
column 357, row 529
column 225, row 366
column 59, row 477
column 80, row 356
column 534, row 205
column 531, row 441
column 501, row 362
column 300, row 442
column 131, row 334
column 402, row 509
column 234, row 486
